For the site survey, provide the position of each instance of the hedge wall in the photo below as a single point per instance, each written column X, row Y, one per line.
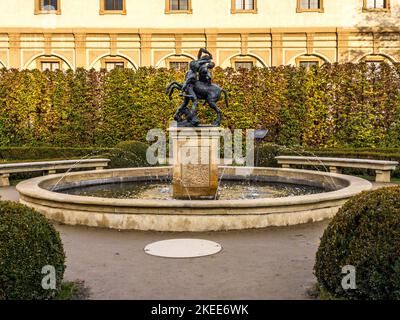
column 340, row 105
column 10, row 154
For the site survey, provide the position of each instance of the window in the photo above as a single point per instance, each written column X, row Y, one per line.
column 111, row 65
column 50, row 65
column 307, row 62
column 248, row 65
column 375, row 61
column 179, row 65
column 178, row 6
column 310, row 5
column 244, row 6
column 47, row 6
column 376, row 5
column 113, row 62
column 112, row 6
column 243, row 62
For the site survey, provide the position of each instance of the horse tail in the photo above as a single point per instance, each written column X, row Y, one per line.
column 226, row 98
column 171, row 87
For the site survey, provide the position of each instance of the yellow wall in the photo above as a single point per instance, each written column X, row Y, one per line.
column 147, row 35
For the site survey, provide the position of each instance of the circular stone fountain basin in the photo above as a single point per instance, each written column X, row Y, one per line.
column 160, row 189
column 44, row 194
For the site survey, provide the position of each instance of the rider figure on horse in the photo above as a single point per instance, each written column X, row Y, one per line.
column 198, row 86
column 192, row 75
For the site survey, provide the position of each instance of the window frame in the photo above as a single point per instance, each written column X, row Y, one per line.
column 103, row 10
column 374, row 59
column 321, row 9
column 38, row 9
column 168, row 9
column 184, row 59
column 309, row 59
column 50, row 59
column 236, row 59
column 106, row 60
column 235, row 11
column 366, row 9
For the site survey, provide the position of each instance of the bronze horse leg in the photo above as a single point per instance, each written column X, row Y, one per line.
column 214, row 106
column 183, row 110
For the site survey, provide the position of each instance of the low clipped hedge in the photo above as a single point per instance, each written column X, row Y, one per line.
column 28, row 242
column 365, row 234
column 128, row 154
column 41, row 153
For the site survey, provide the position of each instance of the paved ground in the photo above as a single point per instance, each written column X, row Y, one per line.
column 265, row 264
column 273, row 263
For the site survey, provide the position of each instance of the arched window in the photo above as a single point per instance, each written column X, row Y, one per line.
column 375, row 61
column 309, row 61
column 178, row 62
column 243, row 62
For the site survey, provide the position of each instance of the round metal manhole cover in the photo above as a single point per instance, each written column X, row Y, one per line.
column 183, row 248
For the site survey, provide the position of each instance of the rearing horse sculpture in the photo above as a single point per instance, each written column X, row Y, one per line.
column 198, row 86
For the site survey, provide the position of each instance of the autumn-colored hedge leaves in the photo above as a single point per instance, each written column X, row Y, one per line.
column 341, row 105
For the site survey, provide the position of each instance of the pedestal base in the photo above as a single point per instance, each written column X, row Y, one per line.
column 195, row 162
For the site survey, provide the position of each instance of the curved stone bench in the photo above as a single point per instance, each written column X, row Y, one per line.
column 382, row 168
column 48, row 166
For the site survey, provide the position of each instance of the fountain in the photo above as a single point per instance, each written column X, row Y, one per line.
column 195, row 193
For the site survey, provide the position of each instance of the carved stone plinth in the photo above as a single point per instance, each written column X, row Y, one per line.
column 195, row 162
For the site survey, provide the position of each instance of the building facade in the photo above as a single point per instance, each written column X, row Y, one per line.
column 67, row 34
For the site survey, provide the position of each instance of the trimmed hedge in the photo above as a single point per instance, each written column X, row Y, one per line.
column 128, row 154
column 338, row 105
column 40, row 153
column 28, row 242
column 364, row 234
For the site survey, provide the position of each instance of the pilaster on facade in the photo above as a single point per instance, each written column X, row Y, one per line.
column 14, row 40
column 211, row 36
column 342, row 46
column 178, row 44
column 376, row 43
column 277, row 49
column 113, row 44
column 80, row 50
column 310, row 43
column 244, row 43
column 145, row 49
column 47, row 43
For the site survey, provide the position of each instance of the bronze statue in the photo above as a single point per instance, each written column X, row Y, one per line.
column 198, row 86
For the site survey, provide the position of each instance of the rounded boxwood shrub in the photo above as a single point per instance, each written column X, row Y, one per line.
column 28, row 243
column 128, row 154
column 364, row 234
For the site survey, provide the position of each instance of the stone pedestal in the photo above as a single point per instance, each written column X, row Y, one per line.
column 4, row 181
column 335, row 170
column 195, row 160
column 383, row 176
